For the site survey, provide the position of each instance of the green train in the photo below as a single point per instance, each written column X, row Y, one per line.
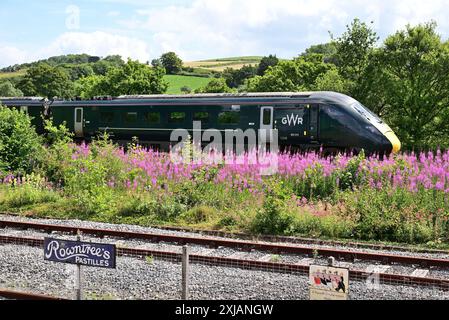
column 309, row 120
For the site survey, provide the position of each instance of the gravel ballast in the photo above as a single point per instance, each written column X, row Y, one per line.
column 24, row 269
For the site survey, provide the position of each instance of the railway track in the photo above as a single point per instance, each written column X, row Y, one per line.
column 286, row 239
column 273, row 248
column 249, row 264
column 299, row 240
column 18, row 295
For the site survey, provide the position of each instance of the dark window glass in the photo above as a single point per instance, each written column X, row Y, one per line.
column 153, row 117
column 130, row 117
column 201, row 116
column 106, row 117
column 314, row 114
column 229, row 117
column 267, row 117
column 79, row 113
column 176, row 117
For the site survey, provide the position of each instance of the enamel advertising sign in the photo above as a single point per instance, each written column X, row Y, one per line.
column 81, row 253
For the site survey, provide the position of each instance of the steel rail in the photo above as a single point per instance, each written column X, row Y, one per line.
column 301, row 240
column 397, row 279
column 18, row 295
column 288, row 239
column 232, row 243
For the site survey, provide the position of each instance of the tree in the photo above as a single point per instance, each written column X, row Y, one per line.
column 7, row 89
column 91, row 86
column 131, row 78
column 115, row 60
column 265, row 63
column 45, row 80
column 353, row 49
column 331, row 81
column 186, row 90
column 299, row 74
column 79, row 71
column 215, row 86
column 134, row 78
column 171, row 62
column 156, row 63
column 328, row 50
column 409, row 80
column 101, row 67
column 93, row 59
column 20, row 145
column 236, row 77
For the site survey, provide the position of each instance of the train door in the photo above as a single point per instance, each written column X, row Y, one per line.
column 314, row 125
column 79, row 122
column 292, row 123
column 266, row 124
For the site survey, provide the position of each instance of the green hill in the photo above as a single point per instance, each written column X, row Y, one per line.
column 196, row 74
column 177, row 82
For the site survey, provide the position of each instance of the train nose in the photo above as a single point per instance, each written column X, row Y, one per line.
column 394, row 140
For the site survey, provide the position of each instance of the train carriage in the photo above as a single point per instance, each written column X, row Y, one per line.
column 310, row 120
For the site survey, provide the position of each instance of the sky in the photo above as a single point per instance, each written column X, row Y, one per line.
column 195, row 29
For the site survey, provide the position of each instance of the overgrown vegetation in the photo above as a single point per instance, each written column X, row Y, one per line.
column 400, row 199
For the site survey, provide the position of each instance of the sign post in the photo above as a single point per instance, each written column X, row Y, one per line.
column 185, row 273
column 81, row 254
column 78, row 273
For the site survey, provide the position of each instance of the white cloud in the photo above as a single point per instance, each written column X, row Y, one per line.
column 417, row 11
column 99, row 44
column 11, row 55
column 232, row 27
column 113, row 13
column 209, row 28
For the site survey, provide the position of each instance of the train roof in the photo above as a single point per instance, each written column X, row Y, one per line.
column 140, row 99
column 22, row 98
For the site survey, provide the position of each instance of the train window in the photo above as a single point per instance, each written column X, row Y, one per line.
column 79, row 115
column 176, row 117
column 314, row 115
column 106, row 117
column 24, row 109
column 267, row 117
column 366, row 112
column 201, row 116
column 130, row 117
column 229, row 117
column 153, row 117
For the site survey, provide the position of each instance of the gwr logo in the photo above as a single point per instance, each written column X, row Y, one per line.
column 292, row 120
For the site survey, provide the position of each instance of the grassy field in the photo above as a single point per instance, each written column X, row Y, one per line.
column 177, row 82
column 221, row 64
column 8, row 75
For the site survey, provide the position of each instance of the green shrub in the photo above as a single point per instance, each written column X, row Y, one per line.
column 31, row 189
column 314, row 185
column 351, row 176
column 146, row 205
column 274, row 217
column 198, row 215
column 330, row 226
column 20, row 146
column 393, row 214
